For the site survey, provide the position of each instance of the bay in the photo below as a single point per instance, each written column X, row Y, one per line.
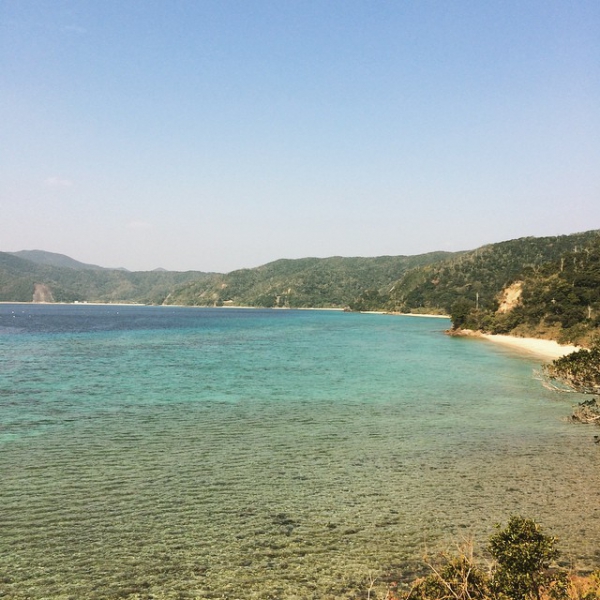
column 168, row 452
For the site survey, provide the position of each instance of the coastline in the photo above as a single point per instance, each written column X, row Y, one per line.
column 428, row 315
column 397, row 314
column 548, row 349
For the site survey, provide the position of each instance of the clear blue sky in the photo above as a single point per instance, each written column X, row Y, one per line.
column 215, row 135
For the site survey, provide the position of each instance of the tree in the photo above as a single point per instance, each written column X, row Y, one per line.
column 460, row 313
column 523, row 554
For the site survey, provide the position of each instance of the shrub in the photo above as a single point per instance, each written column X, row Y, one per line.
column 458, row 579
column 523, row 554
column 579, row 370
column 584, row 588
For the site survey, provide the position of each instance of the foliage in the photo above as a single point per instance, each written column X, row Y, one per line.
column 579, row 370
column 18, row 277
column 369, row 300
column 360, row 283
column 480, row 275
column 559, row 298
column 308, row 282
column 457, row 579
column 425, row 283
column 523, row 553
column 565, row 294
column 560, row 293
column 462, row 314
column 584, row 588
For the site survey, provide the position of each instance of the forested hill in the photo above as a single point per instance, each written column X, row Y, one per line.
column 559, row 299
column 52, row 259
column 546, row 286
column 23, row 280
column 305, row 282
column 479, row 276
column 543, row 287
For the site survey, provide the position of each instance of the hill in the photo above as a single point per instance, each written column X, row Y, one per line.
column 559, row 299
column 22, row 280
column 41, row 257
column 307, row 282
column 540, row 287
column 544, row 287
column 479, row 276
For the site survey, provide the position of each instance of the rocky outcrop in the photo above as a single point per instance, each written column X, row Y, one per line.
column 510, row 297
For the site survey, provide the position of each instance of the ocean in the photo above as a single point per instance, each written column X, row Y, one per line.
column 175, row 453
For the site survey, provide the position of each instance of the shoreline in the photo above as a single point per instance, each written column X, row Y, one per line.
column 396, row 314
column 429, row 316
column 548, row 349
column 328, row 308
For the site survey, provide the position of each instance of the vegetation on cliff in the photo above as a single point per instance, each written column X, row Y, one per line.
column 557, row 299
column 478, row 278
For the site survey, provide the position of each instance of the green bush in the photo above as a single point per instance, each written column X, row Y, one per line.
column 579, row 370
column 523, row 554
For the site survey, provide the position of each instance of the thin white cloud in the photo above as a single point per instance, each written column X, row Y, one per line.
column 58, row 182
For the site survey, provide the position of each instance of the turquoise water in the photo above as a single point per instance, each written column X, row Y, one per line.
column 162, row 452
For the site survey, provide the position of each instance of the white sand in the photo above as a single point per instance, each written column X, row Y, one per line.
column 547, row 349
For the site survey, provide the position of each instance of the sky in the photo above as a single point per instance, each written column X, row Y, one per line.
column 217, row 135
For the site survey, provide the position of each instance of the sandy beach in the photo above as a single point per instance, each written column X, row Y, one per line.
column 548, row 349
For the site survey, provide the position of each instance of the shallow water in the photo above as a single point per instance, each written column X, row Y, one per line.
column 205, row 453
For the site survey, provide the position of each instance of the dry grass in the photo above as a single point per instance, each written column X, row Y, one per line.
column 577, row 587
column 459, row 577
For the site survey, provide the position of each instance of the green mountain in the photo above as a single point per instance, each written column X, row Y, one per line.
column 41, row 257
column 541, row 287
column 547, row 286
column 559, row 299
column 479, row 276
column 22, row 280
column 307, row 282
